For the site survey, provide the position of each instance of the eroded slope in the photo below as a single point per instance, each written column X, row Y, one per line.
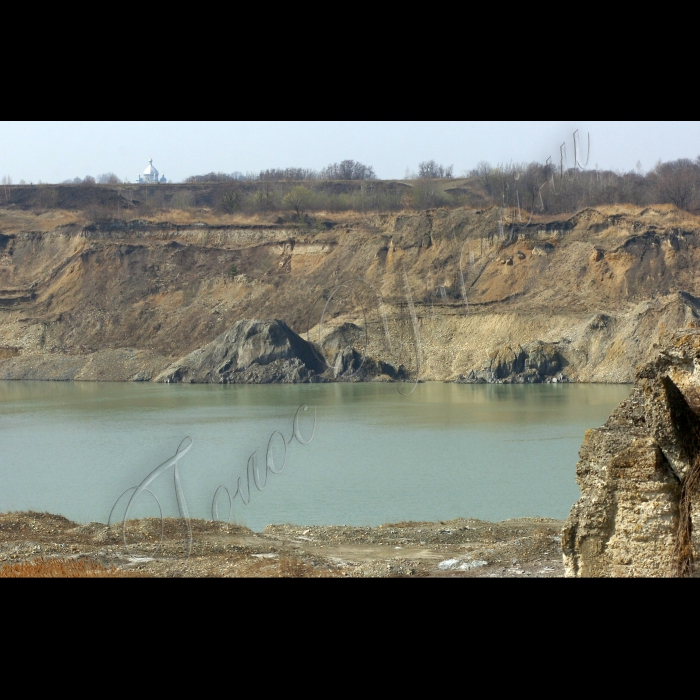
column 123, row 300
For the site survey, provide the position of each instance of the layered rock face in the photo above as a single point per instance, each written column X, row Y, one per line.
column 267, row 352
column 638, row 475
column 122, row 300
column 252, row 352
column 345, row 348
column 533, row 363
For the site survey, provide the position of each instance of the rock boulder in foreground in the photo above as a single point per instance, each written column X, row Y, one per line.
column 638, row 475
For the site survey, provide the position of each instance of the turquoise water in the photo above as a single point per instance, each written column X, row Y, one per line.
column 445, row 451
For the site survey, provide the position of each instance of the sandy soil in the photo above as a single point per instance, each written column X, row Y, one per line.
column 120, row 301
column 526, row 548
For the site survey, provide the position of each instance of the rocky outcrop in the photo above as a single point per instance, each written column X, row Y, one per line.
column 252, row 352
column 350, row 365
column 533, row 363
column 599, row 287
column 638, row 475
column 267, row 352
column 345, row 348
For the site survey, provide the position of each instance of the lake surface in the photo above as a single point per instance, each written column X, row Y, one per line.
column 446, row 451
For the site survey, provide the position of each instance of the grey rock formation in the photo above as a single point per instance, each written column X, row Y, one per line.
column 533, row 363
column 506, row 362
column 251, row 352
column 347, row 362
column 350, row 365
column 345, row 349
column 638, row 475
column 267, row 352
column 544, row 358
column 348, row 334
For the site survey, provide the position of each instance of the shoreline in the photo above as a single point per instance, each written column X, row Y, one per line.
column 370, row 381
column 35, row 544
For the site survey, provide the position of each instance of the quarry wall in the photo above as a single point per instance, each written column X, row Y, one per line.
column 583, row 298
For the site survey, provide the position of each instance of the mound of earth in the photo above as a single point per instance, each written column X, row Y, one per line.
column 252, row 352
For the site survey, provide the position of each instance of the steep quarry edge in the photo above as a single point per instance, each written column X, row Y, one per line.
column 580, row 299
column 638, row 475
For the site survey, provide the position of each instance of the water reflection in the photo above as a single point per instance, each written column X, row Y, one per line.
column 445, row 451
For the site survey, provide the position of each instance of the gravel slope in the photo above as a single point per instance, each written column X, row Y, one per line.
column 527, row 548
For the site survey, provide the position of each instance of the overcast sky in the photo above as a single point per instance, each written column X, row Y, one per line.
column 54, row 151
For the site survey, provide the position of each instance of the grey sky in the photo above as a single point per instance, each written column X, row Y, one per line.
column 54, row 151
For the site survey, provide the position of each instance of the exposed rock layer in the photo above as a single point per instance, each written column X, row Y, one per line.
column 252, row 352
column 633, row 471
column 593, row 291
column 267, row 352
column 533, row 364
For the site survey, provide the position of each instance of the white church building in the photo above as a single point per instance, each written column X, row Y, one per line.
column 150, row 175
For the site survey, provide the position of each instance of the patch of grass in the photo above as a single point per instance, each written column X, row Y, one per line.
column 61, row 568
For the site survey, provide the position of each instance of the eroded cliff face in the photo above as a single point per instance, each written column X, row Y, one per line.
column 638, row 475
column 579, row 299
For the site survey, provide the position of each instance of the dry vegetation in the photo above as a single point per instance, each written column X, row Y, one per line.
column 44, row 545
column 302, row 196
column 15, row 220
column 62, row 568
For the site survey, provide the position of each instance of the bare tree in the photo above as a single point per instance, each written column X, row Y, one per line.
column 264, row 196
column 287, row 175
column 213, row 177
column 7, row 183
column 231, row 201
column 108, row 179
column 482, row 173
column 348, row 170
column 678, row 182
column 430, row 170
column 299, row 199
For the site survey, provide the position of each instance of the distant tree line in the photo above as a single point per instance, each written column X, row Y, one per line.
column 105, row 179
column 300, row 198
column 348, row 170
column 430, row 170
column 545, row 188
column 527, row 188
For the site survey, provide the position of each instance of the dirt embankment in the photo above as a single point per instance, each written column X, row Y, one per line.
column 36, row 544
column 585, row 296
